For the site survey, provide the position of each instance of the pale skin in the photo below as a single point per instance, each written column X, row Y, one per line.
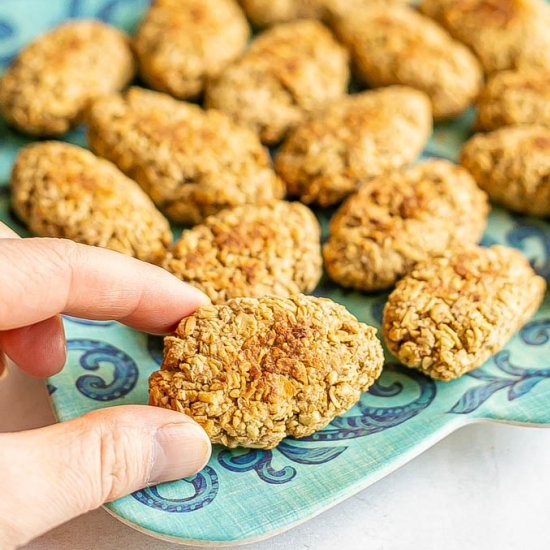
column 73, row 467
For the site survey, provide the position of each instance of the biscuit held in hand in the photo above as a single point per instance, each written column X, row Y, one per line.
column 452, row 313
column 402, row 218
column 180, row 44
column 288, row 71
column 254, row 371
column 512, row 165
column 353, row 139
column 52, row 80
column 60, row 190
column 251, row 251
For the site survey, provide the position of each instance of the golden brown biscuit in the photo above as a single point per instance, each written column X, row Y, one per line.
column 353, row 139
column 264, row 13
column 254, row 371
column 179, row 45
column 251, row 251
column 52, row 80
column 401, row 218
column 60, row 190
column 452, row 313
column 504, row 34
column 514, row 97
column 397, row 45
column 191, row 162
column 513, row 166
column 289, row 70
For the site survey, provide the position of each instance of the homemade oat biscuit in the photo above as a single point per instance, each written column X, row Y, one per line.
column 401, row 218
column 450, row 314
column 254, row 371
column 512, row 165
column 263, row 13
column 179, row 45
column 191, row 162
column 397, row 45
column 52, row 80
column 288, row 71
column 251, row 251
column 353, row 139
column 504, row 34
column 60, row 190
column 514, row 97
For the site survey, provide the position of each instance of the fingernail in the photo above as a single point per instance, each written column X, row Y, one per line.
column 181, row 450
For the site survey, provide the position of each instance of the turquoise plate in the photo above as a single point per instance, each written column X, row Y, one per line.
column 247, row 495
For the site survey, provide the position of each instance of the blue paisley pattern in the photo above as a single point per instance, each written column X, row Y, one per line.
column 536, row 333
column 205, row 485
column 517, row 380
column 527, row 231
column 241, row 461
column 93, row 386
column 371, row 420
column 258, row 461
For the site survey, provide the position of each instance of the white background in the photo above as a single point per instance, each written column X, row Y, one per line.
column 486, row 486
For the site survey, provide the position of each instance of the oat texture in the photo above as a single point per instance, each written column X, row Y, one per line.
column 355, row 138
column 452, row 313
column 288, row 71
column 399, row 219
column 512, row 165
column 52, row 80
column 505, row 34
column 397, row 45
column 251, row 251
column 254, row 371
column 263, row 13
column 60, row 190
column 179, row 45
column 514, row 97
column 192, row 163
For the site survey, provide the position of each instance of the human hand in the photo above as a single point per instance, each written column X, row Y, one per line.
column 50, row 475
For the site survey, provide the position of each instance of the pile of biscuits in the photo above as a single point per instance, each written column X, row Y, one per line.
column 265, row 361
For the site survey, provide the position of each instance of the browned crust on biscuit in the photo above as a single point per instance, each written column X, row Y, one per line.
column 254, row 371
column 504, row 34
column 193, row 163
column 251, row 251
column 452, row 313
column 397, row 45
column 52, row 80
column 288, row 71
column 60, row 190
column 401, row 218
column 264, row 13
column 514, row 97
column 513, row 166
column 180, row 45
column 338, row 148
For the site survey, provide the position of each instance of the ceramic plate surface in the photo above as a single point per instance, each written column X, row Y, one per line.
column 245, row 495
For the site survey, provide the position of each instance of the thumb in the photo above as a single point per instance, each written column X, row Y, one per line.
column 53, row 474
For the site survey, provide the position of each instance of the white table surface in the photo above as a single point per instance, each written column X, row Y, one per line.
column 486, row 486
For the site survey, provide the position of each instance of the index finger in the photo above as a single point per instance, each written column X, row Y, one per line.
column 42, row 277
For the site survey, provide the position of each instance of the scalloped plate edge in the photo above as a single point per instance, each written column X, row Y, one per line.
column 403, row 459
